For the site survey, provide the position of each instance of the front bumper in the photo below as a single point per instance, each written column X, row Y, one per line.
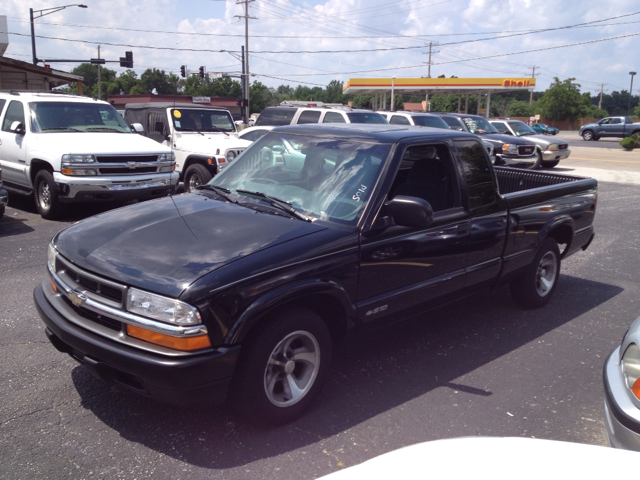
column 99, row 188
column 515, row 160
column 621, row 416
column 199, row 378
column 549, row 155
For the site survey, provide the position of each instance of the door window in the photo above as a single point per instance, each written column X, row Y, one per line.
column 477, row 172
column 15, row 113
column 309, row 116
column 399, row 120
column 333, row 117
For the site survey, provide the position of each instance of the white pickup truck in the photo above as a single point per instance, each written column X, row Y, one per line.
column 203, row 138
column 70, row 149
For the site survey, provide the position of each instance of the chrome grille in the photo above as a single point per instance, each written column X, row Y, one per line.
column 126, row 158
column 101, row 289
column 563, row 146
column 526, row 149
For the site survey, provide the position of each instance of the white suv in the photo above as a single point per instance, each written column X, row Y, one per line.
column 294, row 115
column 70, row 149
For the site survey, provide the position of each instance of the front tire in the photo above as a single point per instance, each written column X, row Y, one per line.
column 587, row 135
column 45, row 194
column 282, row 368
column 536, row 286
column 195, row 176
column 550, row 163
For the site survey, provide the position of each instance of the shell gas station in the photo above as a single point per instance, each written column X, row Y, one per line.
column 383, row 88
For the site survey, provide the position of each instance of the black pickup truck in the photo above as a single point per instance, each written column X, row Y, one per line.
column 242, row 289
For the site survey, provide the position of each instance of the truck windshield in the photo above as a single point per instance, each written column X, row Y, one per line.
column 53, row 117
column 201, row 120
column 325, row 179
column 521, row 128
column 479, row 125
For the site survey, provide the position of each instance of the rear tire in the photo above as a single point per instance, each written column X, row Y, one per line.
column 195, row 176
column 595, row 139
column 282, row 368
column 536, row 286
column 45, row 194
column 587, row 135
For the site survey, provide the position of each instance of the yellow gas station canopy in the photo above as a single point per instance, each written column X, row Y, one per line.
column 438, row 85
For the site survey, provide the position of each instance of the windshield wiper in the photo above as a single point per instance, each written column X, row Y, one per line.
column 191, row 130
column 216, row 129
column 278, row 203
column 222, row 191
column 106, row 129
column 62, row 128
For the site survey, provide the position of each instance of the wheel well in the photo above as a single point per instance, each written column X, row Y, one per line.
column 37, row 165
column 330, row 309
column 200, row 160
column 562, row 234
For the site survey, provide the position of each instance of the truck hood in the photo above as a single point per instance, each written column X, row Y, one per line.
column 207, row 144
column 165, row 245
column 97, row 143
column 543, row 140
column 589, row 125
column 500, row 139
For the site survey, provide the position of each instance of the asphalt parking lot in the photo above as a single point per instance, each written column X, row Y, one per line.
column 482, row 367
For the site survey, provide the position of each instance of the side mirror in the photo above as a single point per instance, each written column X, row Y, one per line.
column 410, row 211
column 18, row 128
column 137, row 127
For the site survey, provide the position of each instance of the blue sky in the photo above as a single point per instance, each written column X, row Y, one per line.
column 313, row 42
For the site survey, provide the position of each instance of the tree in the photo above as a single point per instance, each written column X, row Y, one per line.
column 154, row 79
column 520, row 109
column 259, row 97
column 333, row 92
column 562, row 101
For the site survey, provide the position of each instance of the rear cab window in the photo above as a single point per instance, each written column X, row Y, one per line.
column 276, row 116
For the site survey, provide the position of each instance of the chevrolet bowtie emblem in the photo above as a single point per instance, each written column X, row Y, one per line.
column 132, row 165
column 77, row 298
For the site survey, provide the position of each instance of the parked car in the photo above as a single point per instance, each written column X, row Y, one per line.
column 253, row 133
column 611, row 127
column 66, row 149
column 498, row 458
column 4, row 197
column 509, row 151
column 297, row 115
column 244, row 287
column 203, row 138
column 550, row 151
column 424, row 119
column 544, row 129
column 622, row 392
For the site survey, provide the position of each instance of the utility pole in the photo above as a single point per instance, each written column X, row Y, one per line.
column 601, row 92
column 246, row 44
column 245, row 95
column 99, row 71
column 533, row 75
column 431, row 44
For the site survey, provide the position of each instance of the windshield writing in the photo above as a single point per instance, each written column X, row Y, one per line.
column 479, row 125
column 324, row 179
column 192, row 120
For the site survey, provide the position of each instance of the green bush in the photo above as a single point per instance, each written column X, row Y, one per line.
column 629, row 143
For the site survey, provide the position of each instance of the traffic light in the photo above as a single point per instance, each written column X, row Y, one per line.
column 201, row 72
column 127, row 60
column 183, row 71
column 239, row 102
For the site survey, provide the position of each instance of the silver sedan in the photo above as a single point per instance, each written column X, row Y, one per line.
column 622, row 392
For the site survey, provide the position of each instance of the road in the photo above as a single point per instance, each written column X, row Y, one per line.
column 482, row 367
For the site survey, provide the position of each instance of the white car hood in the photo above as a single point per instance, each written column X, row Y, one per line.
column 97, row 143
column 208, row 144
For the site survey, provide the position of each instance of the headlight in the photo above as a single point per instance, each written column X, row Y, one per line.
column 51, row 257
column 71, row 158
column 167, row 157
column 553, row 147
column 161, row 308
column 79, row 171
column 510, row 148
column 230, row 155
column 631, row 368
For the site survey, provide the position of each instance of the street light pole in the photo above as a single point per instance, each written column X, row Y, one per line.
column 42, row 14
column 630, row 93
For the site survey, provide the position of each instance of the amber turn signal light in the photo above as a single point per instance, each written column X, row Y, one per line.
column 179, row 343
column 636, row 388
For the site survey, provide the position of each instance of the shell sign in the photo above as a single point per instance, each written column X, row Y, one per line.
column 515, row 83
